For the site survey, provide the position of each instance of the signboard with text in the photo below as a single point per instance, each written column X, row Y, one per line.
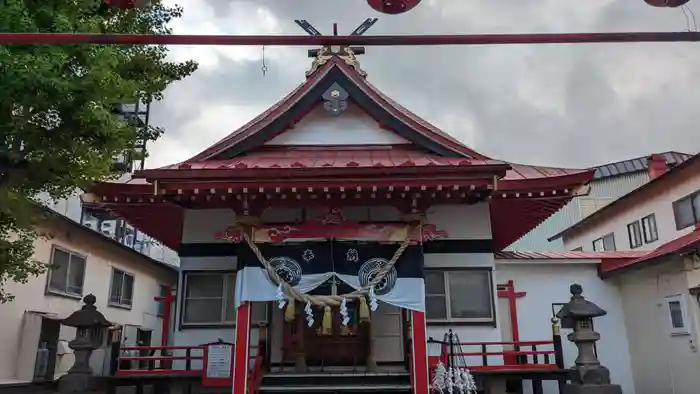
column 217, row 370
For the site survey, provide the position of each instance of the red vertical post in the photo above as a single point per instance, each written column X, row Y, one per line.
column 242, row 349
column 419, row 353
column 508, row 291
column 167, row 301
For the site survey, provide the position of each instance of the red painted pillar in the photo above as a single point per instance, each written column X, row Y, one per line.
column 419, row 355
column 242, row 349
column 167, row 301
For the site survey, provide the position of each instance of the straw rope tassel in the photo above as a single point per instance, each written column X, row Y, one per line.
column 364, row 310
column 290, row 311
column 327, row 321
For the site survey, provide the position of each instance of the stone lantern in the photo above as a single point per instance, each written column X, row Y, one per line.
column 587, row 375
column 90, row 325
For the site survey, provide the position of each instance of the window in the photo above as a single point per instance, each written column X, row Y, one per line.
column 67, row 273
column 686, row 211
column 209, row 299
column 634, row 233
column 465, row 295
column 677, row 315
column 121, row 291
column 604, row 243
column 649, row 228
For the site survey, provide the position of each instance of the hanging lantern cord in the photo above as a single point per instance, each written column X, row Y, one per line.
column 264, row 66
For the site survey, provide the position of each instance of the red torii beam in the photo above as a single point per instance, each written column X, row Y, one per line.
column 405, row 40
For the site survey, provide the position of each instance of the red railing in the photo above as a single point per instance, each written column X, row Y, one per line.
column 159, row 360
column 499, row 356
column 178, row 361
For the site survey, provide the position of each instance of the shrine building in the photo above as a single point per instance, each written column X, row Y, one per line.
column 338, row 234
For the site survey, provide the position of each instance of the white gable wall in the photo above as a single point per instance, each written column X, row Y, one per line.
column 352, row 127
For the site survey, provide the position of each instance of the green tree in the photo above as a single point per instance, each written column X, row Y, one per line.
column 58, row 132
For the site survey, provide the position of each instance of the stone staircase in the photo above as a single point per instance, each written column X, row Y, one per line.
column 336, row 383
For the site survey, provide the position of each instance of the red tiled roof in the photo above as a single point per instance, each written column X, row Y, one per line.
column 516, row 255
column 522, row 171
column 677, row 245
column 333, row 158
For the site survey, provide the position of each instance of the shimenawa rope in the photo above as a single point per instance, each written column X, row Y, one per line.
column 328, row 300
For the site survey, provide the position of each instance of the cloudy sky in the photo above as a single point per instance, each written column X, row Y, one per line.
column 563, row 105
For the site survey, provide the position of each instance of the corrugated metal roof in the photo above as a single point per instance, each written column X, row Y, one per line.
column 515, row 255
column 637, row 164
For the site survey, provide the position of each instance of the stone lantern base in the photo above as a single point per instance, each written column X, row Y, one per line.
column 592, row 389
column 78, row 383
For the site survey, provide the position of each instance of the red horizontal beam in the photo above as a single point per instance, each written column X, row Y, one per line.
column 514, row 367
column 269, row 40
column 160, row 358
column 157, row 372
column 505, row 352
column 161, row 348
column 518, row 343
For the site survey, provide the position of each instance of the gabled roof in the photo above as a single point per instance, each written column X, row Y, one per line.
column 618, row 204
column 637, row 164
column 278, row 118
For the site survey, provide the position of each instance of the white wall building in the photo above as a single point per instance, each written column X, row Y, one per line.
column 125, row 283
column 658, row 289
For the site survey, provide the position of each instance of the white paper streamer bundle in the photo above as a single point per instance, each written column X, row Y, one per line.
column 344, row 312
column 280, row 297
column 452, row 380
column 372, row 300
column 309, row 314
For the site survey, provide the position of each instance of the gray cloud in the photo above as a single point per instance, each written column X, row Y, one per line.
column 566, row 105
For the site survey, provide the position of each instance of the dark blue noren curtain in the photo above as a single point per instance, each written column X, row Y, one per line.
column 356, row 263
column 303, row 265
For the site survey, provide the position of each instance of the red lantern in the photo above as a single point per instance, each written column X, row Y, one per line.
column 393, row 7
column 666, row 3
column 127, row 3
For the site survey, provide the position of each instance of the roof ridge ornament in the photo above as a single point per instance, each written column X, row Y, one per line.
column 351, row 60
column 346, row 53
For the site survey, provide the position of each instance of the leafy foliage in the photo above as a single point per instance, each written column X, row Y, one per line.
column 58, row 130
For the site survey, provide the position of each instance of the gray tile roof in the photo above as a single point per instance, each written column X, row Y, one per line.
column 637, row 164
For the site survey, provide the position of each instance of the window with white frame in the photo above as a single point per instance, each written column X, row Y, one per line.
column 686, row 211
column 121, row 291
column 634, row 233
column 651, row 234
column 604, row 243
column 459, row 295
column 209, row 299
column 67, row 272
column 677, row 315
